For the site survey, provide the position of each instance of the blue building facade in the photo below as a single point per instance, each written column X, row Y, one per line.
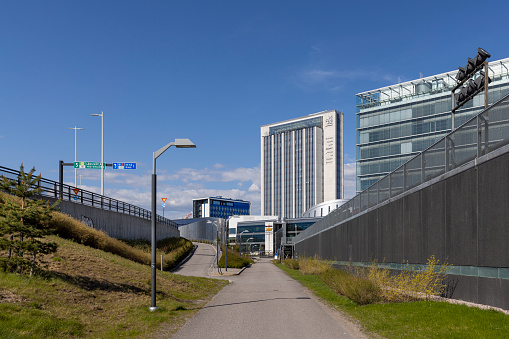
column 219, row 207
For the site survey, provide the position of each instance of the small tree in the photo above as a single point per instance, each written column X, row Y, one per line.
column 25, row 223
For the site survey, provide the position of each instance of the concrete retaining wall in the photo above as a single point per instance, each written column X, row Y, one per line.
column 116, row 225
column 461, row 217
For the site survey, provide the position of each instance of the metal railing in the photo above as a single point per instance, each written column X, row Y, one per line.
column 55, row 190
column 482, row 134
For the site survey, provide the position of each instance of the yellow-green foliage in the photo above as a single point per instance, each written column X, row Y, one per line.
column 360, row 290
column 291, row 263
column 409, row 283
column 70, row 228
column 173, row 249
column 314, row 265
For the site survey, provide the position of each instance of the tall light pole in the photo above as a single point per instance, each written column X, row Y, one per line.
column 102, row 149
column 240, row 237
column 179, row 143
column 76, row 129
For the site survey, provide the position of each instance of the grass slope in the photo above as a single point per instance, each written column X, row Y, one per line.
column 89, row 292
column 421, row 319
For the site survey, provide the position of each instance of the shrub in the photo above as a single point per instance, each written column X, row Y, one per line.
column 291, row 263
column 360, row 290
column 409, row 283
column 234, row 260
column 313, row 265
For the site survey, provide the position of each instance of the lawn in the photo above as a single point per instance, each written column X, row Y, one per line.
column 418, row 319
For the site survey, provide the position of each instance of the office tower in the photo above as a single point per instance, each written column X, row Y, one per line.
column 396, row 122
column 301, row 163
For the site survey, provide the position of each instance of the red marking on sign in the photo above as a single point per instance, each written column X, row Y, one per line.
column 76, row 190
column 164, row 199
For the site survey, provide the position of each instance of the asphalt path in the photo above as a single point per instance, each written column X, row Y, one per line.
column 263, row 302
column 198, row 265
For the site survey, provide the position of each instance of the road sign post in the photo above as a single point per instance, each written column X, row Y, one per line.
column 124, row 165
column 89, row 165
column 164, row 204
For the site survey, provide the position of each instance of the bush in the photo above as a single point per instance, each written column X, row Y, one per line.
column 234, row 260
column 314, row 265
column 360, row 290
column 291, row 263
column 409, row 283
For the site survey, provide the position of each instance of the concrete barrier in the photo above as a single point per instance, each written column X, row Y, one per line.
column 116, row 225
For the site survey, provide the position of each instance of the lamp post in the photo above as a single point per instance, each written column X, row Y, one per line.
column 179, row 143
column 102, row 149
column 240, row 247
column 247, row 244
column 76, row 129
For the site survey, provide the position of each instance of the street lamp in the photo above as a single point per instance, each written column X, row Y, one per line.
column 240, row 247
column 179, row 143
column 102, row 149
column 75, row 154
column 247, row 244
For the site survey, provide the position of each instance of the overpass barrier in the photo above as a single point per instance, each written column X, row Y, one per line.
column 55, row 190
column 482, row 134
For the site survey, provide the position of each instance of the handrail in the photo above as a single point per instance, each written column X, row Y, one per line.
column 52, row 189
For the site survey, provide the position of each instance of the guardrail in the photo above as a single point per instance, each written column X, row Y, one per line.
column 53, row 189
column 482, row 134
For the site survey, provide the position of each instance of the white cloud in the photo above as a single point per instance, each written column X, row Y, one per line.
column 180, row 187
column 254, row 188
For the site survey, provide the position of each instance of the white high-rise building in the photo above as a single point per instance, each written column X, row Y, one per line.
column 301, row 163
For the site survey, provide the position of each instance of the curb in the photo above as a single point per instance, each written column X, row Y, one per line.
column 185, row 259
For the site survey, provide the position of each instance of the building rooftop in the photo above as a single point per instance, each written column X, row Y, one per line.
column 436, row 84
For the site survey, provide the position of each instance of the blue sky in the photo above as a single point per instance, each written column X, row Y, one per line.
column 210, row 71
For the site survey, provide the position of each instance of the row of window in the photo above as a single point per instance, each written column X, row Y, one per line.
column 415, row 144
column 417, row 127
column 400, row 113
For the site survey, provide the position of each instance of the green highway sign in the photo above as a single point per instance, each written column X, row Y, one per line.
column 89, row 164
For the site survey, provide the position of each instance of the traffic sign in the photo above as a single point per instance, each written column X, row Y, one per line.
column 89, row 164
column 76, row 190
column 164, row 205
column 124, row 165
column 164, row 199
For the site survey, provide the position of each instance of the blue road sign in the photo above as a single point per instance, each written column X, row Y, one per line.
column 164, row 205
column 124, row 165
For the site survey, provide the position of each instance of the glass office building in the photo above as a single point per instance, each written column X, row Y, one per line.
column 301, row 163
column 219, row 207
column 396, row 122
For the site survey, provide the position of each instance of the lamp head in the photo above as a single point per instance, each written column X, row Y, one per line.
column 481, row 56
column 462, row 74
column 184, row 143
column 469, row 68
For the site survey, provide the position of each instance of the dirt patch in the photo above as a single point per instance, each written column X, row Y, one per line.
column 10, row 297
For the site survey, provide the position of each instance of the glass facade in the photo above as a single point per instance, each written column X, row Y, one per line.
column 397, row 122
column 219, row 207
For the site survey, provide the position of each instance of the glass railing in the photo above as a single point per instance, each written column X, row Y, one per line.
column 484, row 133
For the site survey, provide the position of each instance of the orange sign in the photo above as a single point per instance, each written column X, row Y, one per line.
column 164, row 199
column 76, row 190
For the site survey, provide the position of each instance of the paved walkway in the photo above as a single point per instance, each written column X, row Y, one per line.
column 264, row 302
column 199, row 264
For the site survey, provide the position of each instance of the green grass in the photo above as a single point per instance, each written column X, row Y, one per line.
column 92, row 293
column 234, row 260
column 420, row 319
column 99, row 287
